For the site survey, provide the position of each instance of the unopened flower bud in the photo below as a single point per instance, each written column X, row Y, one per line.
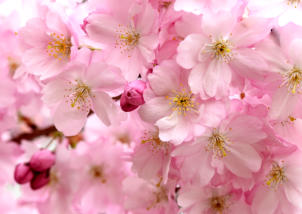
column 133, row 95
column 40, row 180
column 23, row 173
column 42, row 160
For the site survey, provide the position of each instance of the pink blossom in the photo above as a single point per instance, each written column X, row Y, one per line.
column 230, row 146
column 130, row 40
column 79, row 89
column 280, row 186
column 102, row 172
column 223, row 48
column 170, row 104
column 152, row 157
column 147, row 197
column 48, row 45
column 223, row 199
column 284, row 82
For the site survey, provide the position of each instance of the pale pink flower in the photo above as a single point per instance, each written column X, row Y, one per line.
column 170, row 104
column 222, row 52
column 48, row 45
column 152, row 157
column 284, row 83
column 102, row 170
column 142, row 197
column 228, row 146
column 280, row 187
column 130, row 41
column 223, row 199
column 78, row 90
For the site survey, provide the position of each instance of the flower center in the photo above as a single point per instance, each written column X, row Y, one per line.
column 293, row 79
column 165, row 4
column 294, row 3
column 182, row 101
column 217, row 144
column 220, row 49
column 13, row 65
column 276, row 176
column 156, row 144
column 79, row 96
column 160, row 195
column 59, row 46
column 127, row 38
column 98, row 173
column 218, row 203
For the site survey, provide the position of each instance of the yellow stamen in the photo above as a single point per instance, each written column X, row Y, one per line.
column 182, row 101
column 293, row 79
column 59, row 47
column 217, row 144
column 276, row 176
column 78, row 95
column 220, row 49
column 127, row 39
column 219, row 204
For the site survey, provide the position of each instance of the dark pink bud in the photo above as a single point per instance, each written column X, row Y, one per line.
column 23, row 173
column 40, row 180
column 133, row 95
column 42, row 160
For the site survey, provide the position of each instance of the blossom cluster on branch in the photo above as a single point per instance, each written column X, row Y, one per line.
column 151, row 107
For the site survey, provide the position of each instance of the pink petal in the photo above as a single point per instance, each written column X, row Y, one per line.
column 146, row 19
column 251, row 30
column 189, row 197
column 155, row 109
column 174, row 128
column 295, row 51
column 162, row 80
column 196, row 78
column 189, row 49
column 265, row 201
column 293, row 195
column 69, row 120
column 219, row 24
column 242, row 159
column 246, row 129
column 54, row 91
column 248, row 63
column 102, row 28
column 104, row 77
column 283, row 104
column 131, row 66
column 104, row 107
column 216, row 79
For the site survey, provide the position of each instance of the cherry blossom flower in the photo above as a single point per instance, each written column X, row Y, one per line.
column 224, row 199
column 48, row 45
column 130, row 40
column 79, row 89
column 281, row 188
column 223, row 48
column 230, row 146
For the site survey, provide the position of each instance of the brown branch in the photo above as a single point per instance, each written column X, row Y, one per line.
column 35, row 134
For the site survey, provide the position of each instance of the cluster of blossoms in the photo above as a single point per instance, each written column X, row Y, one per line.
column 151, row 107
